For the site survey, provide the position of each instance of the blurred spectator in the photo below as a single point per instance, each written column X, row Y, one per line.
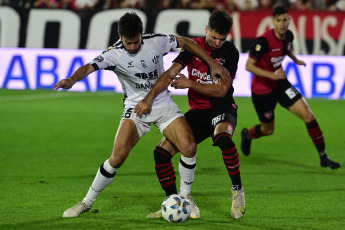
column 231, row 5
column 131, row 4
column 66, row 4
column 340, row 5
column 265, row 5
column 44, row 4
column 4, row 2
column 164, row 4
column 204, row 4
column 320, row 5
column 247, row 4
column 184, row 4
column 85, row 4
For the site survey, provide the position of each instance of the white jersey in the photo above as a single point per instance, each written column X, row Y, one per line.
column 139, row 72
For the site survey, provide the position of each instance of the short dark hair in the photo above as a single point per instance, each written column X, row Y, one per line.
column 220, row 21
column 130, row 25
column 278, row 10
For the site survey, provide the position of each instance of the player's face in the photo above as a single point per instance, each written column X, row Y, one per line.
column 281, row 24
column 132, row 45
column 214, row 40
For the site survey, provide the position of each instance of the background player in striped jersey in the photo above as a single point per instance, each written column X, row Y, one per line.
column 212, row 113
column 137, row 59
column 270, row 86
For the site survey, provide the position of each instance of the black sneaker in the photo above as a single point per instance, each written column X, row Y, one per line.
column 327, row 162
column 246, row 142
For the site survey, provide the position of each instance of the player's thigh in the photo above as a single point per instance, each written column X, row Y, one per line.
column 225, row 121
column 181, row 135
column 265, row 105
column 126, row 138
column 301, row 109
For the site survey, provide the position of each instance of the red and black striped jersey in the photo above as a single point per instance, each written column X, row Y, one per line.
column 199, row 71
column 269, row 52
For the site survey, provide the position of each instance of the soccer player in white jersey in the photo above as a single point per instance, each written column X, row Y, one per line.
column 137, row 60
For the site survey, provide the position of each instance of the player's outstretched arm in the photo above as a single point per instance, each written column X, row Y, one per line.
column 81, row 73
column 212, row 90
column 194, row 48
column 144, row 106
column 294, row 58
column 276, row 75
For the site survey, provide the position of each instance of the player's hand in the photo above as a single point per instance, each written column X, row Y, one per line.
column 180, row 82
column 63, row 84
column 279, row 74
column 219, row 70
column 143, row 107
column 300, row 62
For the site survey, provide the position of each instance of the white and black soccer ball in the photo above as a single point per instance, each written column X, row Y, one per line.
column 176, row 208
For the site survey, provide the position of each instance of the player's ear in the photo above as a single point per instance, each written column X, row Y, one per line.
column 206, row 29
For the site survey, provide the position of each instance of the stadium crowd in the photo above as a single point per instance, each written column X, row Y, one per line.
column 230, row 5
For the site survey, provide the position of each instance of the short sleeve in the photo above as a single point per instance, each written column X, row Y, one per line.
column 259, row 48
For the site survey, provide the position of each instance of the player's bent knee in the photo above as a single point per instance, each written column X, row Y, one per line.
column 189, row 150
column 268, row 132
column 224, row 141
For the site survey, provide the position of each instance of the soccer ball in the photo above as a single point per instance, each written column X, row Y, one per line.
column 176, row 208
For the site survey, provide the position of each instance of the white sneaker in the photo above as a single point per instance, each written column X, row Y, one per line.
column 76, row 210
column 238, row 207
column 195, row 214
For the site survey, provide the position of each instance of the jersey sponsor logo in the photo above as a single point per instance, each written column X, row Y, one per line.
column 155, row 59
column 148, row 76
column 147, row 85
column 277, row 61
column 276, row 50
column 202, row 77
column 130, row 64
column 143, row 63
column 218, row 119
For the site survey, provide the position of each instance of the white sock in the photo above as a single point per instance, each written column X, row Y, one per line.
column 100, row 182
column 186, row 170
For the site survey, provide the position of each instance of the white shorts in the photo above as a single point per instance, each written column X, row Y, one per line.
column 160, row 117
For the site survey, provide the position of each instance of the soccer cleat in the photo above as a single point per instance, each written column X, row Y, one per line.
column 327, row 162
column 157, row 214
column 76, row 210
column 238, row 207
column 195, row 214
column 245, row 142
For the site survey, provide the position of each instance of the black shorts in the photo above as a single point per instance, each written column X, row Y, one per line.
column 203, row 122
column 265, row 104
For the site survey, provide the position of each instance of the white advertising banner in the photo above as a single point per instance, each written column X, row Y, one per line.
column 23, row 68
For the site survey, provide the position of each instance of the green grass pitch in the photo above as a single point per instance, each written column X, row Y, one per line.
column 52, row 143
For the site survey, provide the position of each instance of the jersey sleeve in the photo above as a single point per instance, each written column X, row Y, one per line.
column 168, row 42
column 289, row 36
column 232, row 64
column 105, row 60
column 259, row 48
column 184, row 57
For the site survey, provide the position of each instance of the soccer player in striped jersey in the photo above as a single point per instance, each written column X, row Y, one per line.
column 270, row 86
column 137, row 60
column 212, row 113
